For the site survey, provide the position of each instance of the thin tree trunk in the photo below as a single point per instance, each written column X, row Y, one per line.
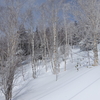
column 33, row 60
column 65, row 25
column 9, row 83
column 44, row 30
column 95, row 50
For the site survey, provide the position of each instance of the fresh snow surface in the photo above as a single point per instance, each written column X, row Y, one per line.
column 83, row 84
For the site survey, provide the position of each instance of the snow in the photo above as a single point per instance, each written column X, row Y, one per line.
column 71, row 85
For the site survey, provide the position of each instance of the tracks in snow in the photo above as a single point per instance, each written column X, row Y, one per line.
column 59, row 86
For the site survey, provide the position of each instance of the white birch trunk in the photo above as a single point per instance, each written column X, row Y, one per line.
column 33, row 59
column 65, row 26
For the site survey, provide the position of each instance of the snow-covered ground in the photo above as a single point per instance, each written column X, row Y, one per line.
column 83, row 84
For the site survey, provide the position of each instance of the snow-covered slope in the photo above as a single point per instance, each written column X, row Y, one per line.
column 83, row 84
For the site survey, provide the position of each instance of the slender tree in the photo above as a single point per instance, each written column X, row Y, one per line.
column 91, row 9
column 9, row 59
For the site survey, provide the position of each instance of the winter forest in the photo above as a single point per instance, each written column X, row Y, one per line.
column 49, row 49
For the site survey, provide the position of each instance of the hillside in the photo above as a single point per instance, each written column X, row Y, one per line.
column 73, row 84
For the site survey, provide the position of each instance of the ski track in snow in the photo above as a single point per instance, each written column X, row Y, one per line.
column 66, row 83
column 85, row 88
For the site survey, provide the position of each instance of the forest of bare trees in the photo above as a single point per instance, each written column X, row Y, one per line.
column 45, row 32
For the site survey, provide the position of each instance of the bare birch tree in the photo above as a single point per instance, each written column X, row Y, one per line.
column 30, row 19
column 65, row 27
column 91, row 10
column 87, row 12
column 43, row 15
column 9, row 60
column 54, row 14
